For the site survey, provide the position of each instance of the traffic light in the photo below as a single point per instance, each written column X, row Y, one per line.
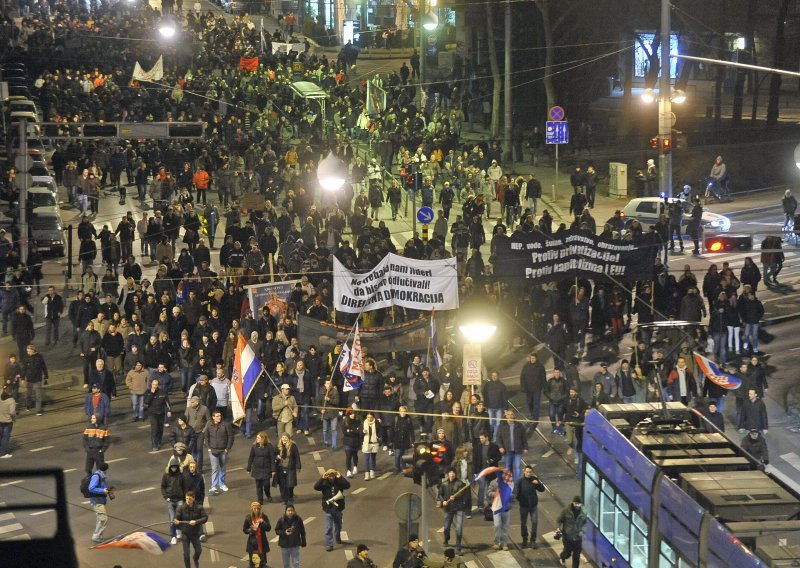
column 729, row 243
column 423, row 459
column 654, row 142
column 666, row 144
column 427, row 459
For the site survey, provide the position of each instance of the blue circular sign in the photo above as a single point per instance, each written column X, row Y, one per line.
column 556, row 113
column 425, row 215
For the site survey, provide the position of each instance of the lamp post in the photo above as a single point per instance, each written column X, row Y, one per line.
column 428, row 22
column 331, row 172
column 665, row 108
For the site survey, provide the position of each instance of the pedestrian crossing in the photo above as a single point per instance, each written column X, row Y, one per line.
column 10, row 528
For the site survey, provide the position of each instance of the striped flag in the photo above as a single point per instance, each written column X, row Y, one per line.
column 502, row 497
column 437, row 358
column 487, row 471
column 247, row 371
column 140, row 540
column 715, row 375
column 352, row 365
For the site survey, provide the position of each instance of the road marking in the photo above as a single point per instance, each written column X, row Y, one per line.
column 11, row 528
column 311, row 441
column 783, row 477
column 142, row 490
column 345, row 538
column 209, row 528
column 321, row 470
column 116, row 460
column 317, row 456
column 160, row 451
column 308, row 520
column 503, row 559
column 548, row 453
column 214, row 555
column 42, row 512
column 15, row 482
column 70, row 470
column 348, row 554
column 235, row 469
column 471, row 564
column 795, row 349
column 6, row 516
column 42, row 449
column 793, row 459
column 85, row 502
column 386, row 475
column 143, row 427
column 359, row 490
column 440, row 530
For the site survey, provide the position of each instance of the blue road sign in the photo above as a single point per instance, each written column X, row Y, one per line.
column 556, row 132
column 425, row 215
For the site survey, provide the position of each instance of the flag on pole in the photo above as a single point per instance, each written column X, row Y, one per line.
column 140, row 540
column 714, row 374
column 263, row 40
column 487, row 471
column 437, row 358
column 502, row 497
column 247, row 371
column 351, row 365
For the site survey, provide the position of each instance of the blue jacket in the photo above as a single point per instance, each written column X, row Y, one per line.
column 97, row 487
column 101, row 410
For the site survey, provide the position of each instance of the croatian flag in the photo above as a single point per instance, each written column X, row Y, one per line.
column 502, row 497
column 487, row 471
column 141, row 540
column 715, row 375
column 351, row 365
column 247, row 370
column 437, row 358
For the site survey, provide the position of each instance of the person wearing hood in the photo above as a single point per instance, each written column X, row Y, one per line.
column 192, row 480
column 180, row 453
column 291, row 537
column 172, row 494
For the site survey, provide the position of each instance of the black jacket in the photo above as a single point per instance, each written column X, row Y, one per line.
column 298, row 532
column 156, row 403
column 402, row 433
column 754, row 415
column 532, row 378
column 492, row 457
column 330, row 487
column 187, row 513
column 504, row 437
column 252, row 530
column 261, row 462
column 526, row 492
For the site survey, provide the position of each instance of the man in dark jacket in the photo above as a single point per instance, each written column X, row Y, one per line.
column 95, row 443
column 495, row 395
column 54, row 307
column 513, row 442
column 484, row 454
column 532, row 380
column 557, row 394
column 715, row 417
column 570, row 524
column 35, row 377
column 332, row 486
column 22, row 329
column 372, row 386
column 755, row 445
column 190, row 518
column 425, row 387
column 526, row 492
column 451, row 498
column 754, row 413
column 219, row 441
column 172, row 494
column 156, row 403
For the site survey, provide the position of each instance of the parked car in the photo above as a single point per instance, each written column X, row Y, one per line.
column 46, row 229
column 647, row 211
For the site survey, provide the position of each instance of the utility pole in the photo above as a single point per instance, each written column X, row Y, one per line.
column 424, row 521
column 507, row 89
column 665, row 107
column 422, row 39
column 23, row 191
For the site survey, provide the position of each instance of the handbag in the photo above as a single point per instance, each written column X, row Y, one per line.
column 488, row 515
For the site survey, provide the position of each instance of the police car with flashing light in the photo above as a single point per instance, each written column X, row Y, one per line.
column 647, row 211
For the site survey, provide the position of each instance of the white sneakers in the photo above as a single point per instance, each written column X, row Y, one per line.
column 385, row 448
column 369, row 475
column 366, row 476
column 349, row 473
column 355, row 470
column 174, row 540
column 223, row 487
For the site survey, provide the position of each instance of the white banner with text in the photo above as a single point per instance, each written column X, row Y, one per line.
column 397, row 281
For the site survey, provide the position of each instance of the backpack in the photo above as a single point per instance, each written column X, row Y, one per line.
column 85, row 484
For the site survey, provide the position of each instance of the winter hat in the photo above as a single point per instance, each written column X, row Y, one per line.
column 173, row 462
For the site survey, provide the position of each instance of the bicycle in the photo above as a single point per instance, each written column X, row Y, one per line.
column 717, row 190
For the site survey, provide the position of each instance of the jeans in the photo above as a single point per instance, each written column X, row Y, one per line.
column 524, row 514
column 495, row 415
column 458, row 517
column 514, row 463
column 285, row 428
column 720, row 343
column 481, row 492
column 329, row 431
column 250, row 417
column 137, row 402
column 333, row 527
column 51, row 328
column 501, row 528
column 101, row 520
column 198, row 453
column 5, row 436
column 751, row 336
column 733, row 338
column 557, row 413
column 156, row 430
column 302, row 418
column 291, row 557
column 172, row 506
column 369, row 461
column 398, row 460
column 572, row 548
column 534, row 400
column 34, row 391
column 193, row 540
column 186, row 379
column 218, row 461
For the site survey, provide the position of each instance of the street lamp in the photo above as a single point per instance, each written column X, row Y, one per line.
column 428, row 21
column 678, row 96
column 331, row 172
column 166, row 28
column 477, row 332
column 648, row 96
column 797, row 155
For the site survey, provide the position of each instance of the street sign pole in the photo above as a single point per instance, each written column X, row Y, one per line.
column 23, row 193
column 555, row 185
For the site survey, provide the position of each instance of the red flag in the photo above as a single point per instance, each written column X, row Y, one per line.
column 248, row 63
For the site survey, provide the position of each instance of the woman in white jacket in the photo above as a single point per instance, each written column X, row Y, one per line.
column 369, row 445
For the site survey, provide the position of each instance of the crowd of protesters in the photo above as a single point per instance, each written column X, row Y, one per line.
column 171, row 340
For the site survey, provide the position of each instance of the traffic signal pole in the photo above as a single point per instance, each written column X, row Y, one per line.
column 665, row 107
column 23, row 193
column 424, row 520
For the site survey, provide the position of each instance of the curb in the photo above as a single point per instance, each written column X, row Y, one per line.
column 781, row 319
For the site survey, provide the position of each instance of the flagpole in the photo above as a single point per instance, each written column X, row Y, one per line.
column 339, row 357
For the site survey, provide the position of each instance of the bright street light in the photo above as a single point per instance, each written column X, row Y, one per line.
column 477, row 332
column 648, row 96
column 430, row 21
column 167, row 29
column 797, row 155
column 331, row 172
column 678, row 96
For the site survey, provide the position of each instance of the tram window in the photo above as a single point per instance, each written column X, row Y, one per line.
column 622, row 526
column 638, row 541
column 591, row 493
column 669, row 558
column 607, row 513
